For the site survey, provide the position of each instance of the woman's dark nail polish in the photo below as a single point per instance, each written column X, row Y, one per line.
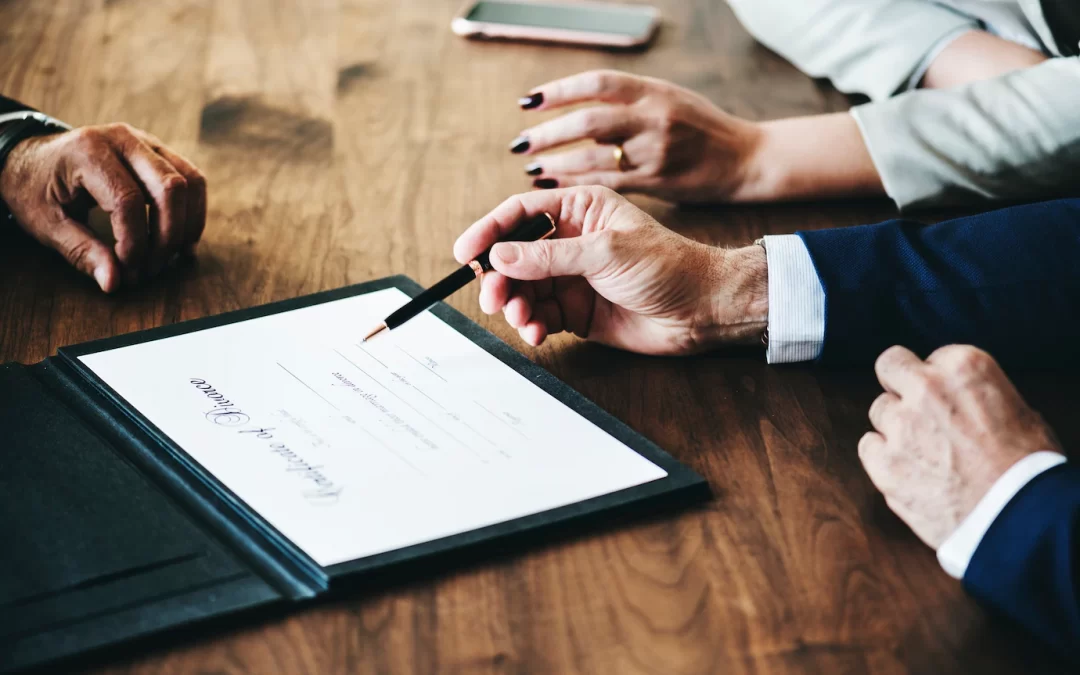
column 519, row 145
column 534, row 169
column 545, row 183
column 531, row 101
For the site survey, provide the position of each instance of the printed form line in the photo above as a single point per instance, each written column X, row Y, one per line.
column 413, row 408
column 358, row 346
column 308, row 387
column 392, row 451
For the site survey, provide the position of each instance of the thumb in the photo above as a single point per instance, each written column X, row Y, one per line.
column 87, row 253
column 529, row 261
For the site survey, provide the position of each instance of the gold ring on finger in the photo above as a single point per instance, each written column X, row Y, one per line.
column 620, row 158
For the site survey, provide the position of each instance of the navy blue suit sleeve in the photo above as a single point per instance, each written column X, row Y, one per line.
column 1027, row 565
column 1007, row 281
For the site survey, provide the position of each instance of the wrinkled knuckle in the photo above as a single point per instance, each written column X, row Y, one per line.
column 602, row 193
column 129, row 200
column 604, row 81
column 864, row 447
column 197, row 181
column 888, row 356
column 173, row 185
column 544, row 255
column 901, row 419
column 87, row 139
column 120, row 130
column 876, row 407
column 607, row 243
column 78, row 253
column 974, row 360
column 609, row 183
column 592, row 121
column 929, row 388
column 664, row 119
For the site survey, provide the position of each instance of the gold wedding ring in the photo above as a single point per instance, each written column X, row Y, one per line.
column 620, row 158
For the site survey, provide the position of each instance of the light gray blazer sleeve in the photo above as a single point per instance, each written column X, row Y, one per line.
column 867, row 47
column 1015, row 137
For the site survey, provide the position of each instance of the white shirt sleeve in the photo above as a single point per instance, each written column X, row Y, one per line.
column 935, row 51
column 864, row 46
column 796, row 301
column 936, row 147
column 956, row 551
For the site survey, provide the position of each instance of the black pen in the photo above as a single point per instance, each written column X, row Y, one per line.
column 531, row 229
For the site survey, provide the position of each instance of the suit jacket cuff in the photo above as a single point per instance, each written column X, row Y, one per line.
column 955, row 553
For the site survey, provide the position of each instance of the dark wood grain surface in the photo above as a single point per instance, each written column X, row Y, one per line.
column 346, row 140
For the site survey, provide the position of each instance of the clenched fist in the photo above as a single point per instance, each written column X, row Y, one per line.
column 944, row 431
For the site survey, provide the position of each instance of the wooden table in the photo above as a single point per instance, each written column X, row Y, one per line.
column 346, row 140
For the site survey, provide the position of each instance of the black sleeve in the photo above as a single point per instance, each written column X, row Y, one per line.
column 1063, row 18
column 10, row 105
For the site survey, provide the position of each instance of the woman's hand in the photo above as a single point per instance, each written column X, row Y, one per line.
column 156, row 199
column 614, row 275
column 678, row 146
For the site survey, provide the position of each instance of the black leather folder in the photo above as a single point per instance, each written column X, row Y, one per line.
column 112, row 532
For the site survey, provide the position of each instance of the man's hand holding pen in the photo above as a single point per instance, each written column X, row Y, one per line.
column 614, row 275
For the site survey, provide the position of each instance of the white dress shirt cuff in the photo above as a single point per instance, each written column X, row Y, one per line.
column 796, row 301
column 955, row 553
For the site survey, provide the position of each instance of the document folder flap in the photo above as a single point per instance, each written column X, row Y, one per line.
column 87, row 538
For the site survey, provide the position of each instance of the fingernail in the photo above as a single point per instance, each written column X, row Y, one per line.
column 101, row 276
column 545, row 183
column 531, row 101
column 534, row 169
column 508, row 253
column 519, row 145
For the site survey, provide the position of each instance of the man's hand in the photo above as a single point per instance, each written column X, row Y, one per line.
column 616, row 276
column 945, row 430
column 51, row 182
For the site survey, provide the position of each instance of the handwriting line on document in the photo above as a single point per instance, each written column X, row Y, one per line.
column 426, row 366
column 308, row 387
column 413, row 408
column 499, row 417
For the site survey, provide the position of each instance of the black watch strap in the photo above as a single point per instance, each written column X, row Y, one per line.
column 15, row 131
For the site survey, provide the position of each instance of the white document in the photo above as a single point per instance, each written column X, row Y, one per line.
column 351, row 449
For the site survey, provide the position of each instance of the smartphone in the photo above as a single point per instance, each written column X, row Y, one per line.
column 588, row 23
